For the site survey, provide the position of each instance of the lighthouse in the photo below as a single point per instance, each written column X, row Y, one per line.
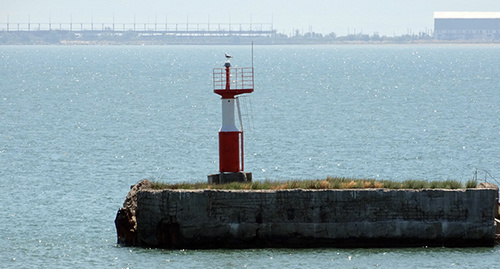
column 229, row 82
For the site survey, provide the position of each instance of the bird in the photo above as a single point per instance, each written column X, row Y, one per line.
column 228, row 56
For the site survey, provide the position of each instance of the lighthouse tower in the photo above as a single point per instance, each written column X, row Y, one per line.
column 228, row 83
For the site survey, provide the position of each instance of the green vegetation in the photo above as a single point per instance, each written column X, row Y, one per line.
column 328, row 183
column 472, row 183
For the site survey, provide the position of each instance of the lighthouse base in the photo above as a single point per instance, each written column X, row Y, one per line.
column 229, row 177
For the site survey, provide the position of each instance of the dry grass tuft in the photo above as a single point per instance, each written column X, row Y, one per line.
column 324, row 184
column 350, row 185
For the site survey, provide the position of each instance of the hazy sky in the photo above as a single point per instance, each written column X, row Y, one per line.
column 387, row 17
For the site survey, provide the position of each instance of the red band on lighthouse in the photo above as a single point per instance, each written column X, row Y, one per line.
column 229, row 152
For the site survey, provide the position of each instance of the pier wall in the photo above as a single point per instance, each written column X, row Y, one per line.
column 314, row 218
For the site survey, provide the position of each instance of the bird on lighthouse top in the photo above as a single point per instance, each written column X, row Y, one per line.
column 228, row 64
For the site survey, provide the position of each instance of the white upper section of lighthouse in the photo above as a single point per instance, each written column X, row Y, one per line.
column 228, row 122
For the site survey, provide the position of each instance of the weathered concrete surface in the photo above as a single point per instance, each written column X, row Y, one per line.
column 310, row 218
column 485, row 185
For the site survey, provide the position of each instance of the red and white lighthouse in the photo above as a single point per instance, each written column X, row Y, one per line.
column 228, row 83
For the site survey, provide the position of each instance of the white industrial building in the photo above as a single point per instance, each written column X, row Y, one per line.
column 467, row 25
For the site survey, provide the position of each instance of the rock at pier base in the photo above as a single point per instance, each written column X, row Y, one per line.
column 223, row 178
column 125, row 221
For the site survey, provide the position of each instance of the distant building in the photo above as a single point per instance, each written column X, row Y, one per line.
column 467, row 25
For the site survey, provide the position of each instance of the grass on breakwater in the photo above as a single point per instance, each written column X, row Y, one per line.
column 328, row 183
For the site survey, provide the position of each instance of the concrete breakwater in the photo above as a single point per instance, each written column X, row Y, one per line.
column 307, row 218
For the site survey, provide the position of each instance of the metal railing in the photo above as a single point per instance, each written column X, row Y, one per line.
column 240, row 78
column 487, row 176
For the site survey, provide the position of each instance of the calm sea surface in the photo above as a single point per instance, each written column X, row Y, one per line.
column 79, row 125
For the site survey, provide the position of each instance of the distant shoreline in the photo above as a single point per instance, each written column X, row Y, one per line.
column 132, row 38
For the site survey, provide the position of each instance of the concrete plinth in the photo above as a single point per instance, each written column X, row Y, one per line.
column 223, row 178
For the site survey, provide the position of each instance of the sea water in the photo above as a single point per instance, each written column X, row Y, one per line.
column 80, row 124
